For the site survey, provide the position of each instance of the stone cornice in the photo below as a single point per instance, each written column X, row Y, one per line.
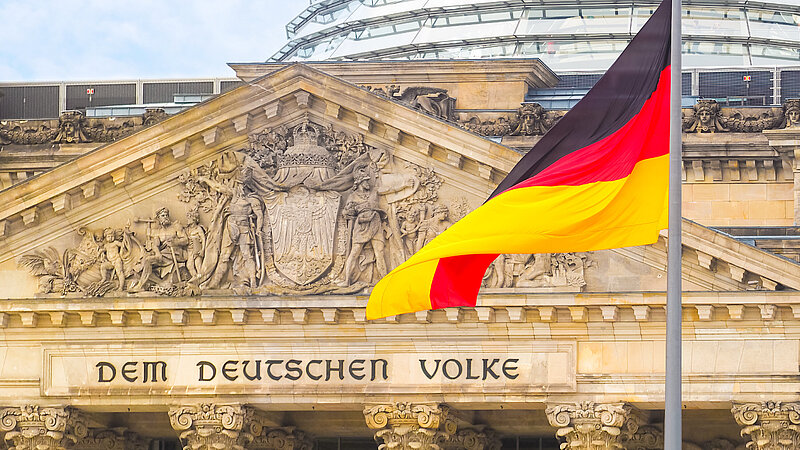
column 509, row 307
column 530, row 70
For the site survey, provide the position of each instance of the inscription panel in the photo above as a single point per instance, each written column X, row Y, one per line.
column 249, row 369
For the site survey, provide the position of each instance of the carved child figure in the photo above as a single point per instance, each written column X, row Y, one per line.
column 113, row 248
column 409, row 231
column 197, row 242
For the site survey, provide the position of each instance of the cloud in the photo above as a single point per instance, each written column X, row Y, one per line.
column 51, row 40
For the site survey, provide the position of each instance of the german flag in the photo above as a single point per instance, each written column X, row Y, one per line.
column 597, row 180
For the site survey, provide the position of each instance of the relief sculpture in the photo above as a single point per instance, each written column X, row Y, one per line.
column 543, row 270
column 300, row 210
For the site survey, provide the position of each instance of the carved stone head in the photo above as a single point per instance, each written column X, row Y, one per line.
column 791, row 110
column 441, row 213
column 706, row 117
column 109, row 235
column 192, row 216
column 152, row 116
column 71, row 126
column 162, row 216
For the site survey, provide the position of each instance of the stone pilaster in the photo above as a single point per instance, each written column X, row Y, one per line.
column 112, row 439
column 209, row 426
column 285, row 438
column 33, row 428
column 769, row 425
column 593, row 426
column 473, row 439
column 410, row 426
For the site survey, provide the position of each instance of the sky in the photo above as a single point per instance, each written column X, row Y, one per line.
column 73, row 40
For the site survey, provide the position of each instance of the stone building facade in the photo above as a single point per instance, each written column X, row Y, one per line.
column 200, row 280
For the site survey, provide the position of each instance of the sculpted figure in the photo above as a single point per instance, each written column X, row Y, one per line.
column 115, row 248
column 71, row 128
column 791, row 112
column 245, row 220
column 706, row 118
column 165, row 249
column 434, row 101
column 532, row 120
column 365, row 224
column 409, row 230
column 432, row 226
column 197, row 242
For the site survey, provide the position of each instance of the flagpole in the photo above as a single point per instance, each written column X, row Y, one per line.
column 672, row 405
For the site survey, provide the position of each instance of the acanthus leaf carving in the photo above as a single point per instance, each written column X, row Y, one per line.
column 769, row 425
column 410, row 425
column 31, row 427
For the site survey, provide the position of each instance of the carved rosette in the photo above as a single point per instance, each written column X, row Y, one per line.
column 647, row 437
column 411, row 426
column 112, row 439
column 211, row 426
column 769, row 425
column 286, row 438
column 593, row 426
column 33, row 428
column 474, row 439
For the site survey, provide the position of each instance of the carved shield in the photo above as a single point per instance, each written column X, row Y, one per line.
column 303, row 226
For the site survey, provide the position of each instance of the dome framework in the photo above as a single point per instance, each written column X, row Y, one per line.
column 566, row 35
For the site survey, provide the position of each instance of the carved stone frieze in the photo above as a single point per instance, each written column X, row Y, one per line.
column 434, row 101
column 769, row 425
column 594, row 426
column 411, row 426
column 286, row 438
column 707, row 117
column 531, row 119
column 541, row 270
column 112, row 439
column 73, row 127
column 300, row 210
column 209, row 426
column 33, row 428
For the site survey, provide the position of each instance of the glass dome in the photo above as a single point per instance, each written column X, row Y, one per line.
column 565, row 35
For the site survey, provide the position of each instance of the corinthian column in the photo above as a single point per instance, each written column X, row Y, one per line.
column 770, row 425
column 208, row 426
column 33, row 428
column 592, row 426
column 410, row 426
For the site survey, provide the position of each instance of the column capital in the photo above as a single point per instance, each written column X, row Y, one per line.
column 769, row 425
column 420, row 426
column 30, row 427
column 212, row 426
column 594, row 426
column 284, row 438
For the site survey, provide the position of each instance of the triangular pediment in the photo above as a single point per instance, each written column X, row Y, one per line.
column 309, row 218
